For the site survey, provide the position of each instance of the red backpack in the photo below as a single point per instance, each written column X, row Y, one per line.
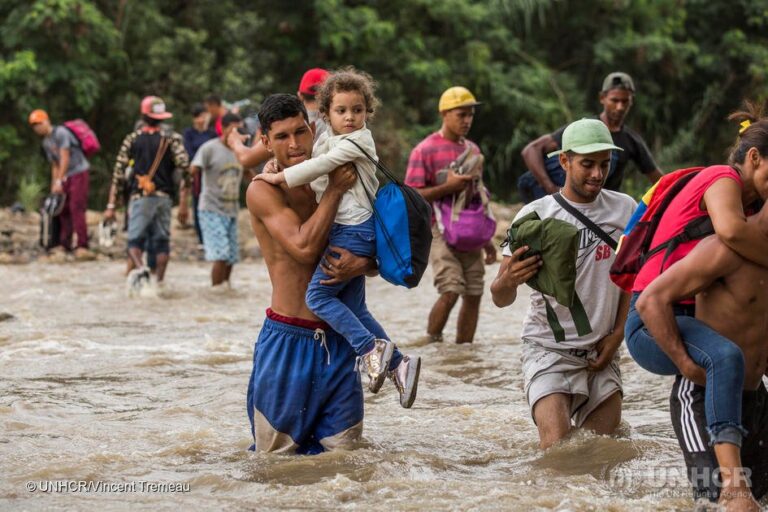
column 635, row 244
column 85, row 136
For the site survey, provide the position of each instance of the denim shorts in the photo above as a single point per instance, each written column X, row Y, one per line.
column 150, row 217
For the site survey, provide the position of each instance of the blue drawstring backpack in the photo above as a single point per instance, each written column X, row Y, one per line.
column 403, row 229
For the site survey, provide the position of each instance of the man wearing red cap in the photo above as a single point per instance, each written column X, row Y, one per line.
column 156, row 154
column 216, row 110
column 257, row 154
column 69, row 176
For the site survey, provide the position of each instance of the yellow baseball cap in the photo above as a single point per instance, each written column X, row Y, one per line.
column 456, row 97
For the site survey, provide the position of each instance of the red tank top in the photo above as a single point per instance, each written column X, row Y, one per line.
column 684, row 208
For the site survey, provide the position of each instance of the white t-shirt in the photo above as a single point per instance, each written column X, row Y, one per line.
column 611, row 212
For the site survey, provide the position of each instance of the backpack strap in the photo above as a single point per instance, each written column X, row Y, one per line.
column 585, row 220
column 377, row 218
column 164, row 143
column 74, row 135
column 579, row 314
column 386, row 172
column 697, row 229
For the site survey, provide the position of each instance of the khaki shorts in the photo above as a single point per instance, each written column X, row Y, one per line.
column 548, row 371
column 456, row 272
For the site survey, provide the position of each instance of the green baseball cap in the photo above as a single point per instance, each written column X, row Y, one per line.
column 586, row 136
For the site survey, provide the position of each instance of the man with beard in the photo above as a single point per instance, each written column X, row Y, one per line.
column 570, row 361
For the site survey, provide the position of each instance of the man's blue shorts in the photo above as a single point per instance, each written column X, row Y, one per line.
column 304, row 394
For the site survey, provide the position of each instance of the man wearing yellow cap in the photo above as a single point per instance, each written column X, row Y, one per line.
column 432, row 169
column 69, row 176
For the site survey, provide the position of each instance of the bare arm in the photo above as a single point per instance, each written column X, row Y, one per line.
column 608, row 345
column 247, row 156
column 723, row 201
column 183, row 212
column 533, row 154
column 709, row 260
column 512, row 273
column 303, row 241
column 63, row 163
column 54, row 174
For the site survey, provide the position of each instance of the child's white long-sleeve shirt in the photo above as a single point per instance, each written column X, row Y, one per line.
column 329, row 153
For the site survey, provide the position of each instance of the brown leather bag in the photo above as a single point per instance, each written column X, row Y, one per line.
column 145, row 182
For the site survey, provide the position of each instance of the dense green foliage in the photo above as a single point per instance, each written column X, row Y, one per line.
column 535, row 64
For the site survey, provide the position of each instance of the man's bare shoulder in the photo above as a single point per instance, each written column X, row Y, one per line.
column 261, row 198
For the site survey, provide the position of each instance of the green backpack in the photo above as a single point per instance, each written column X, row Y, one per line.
column 557, row 242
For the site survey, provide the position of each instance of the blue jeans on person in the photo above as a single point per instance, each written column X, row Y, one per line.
column 722, row 359
column 342, row 305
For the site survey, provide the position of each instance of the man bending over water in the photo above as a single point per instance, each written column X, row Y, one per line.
column 732, row 299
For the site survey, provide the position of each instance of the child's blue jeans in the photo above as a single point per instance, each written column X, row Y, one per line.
column 719, row 356
column 342, row 305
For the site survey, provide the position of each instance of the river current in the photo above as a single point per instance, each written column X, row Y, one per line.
column 100, row 391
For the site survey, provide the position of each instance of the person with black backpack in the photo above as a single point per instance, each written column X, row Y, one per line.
column 69, row 177
column 156, row 154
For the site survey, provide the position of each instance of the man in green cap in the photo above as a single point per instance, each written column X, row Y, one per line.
column 545, row 175
column 571, row 379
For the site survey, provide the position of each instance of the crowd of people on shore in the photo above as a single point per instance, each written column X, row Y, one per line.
column 694, row 305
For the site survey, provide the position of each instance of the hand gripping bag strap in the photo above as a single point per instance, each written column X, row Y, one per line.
column 585, row 220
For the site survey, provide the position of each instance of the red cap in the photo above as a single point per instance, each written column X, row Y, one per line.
column 154, row 107
column 311, row 81
column 38, row 116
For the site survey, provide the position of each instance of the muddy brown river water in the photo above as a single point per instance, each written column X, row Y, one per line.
column 99, row 391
